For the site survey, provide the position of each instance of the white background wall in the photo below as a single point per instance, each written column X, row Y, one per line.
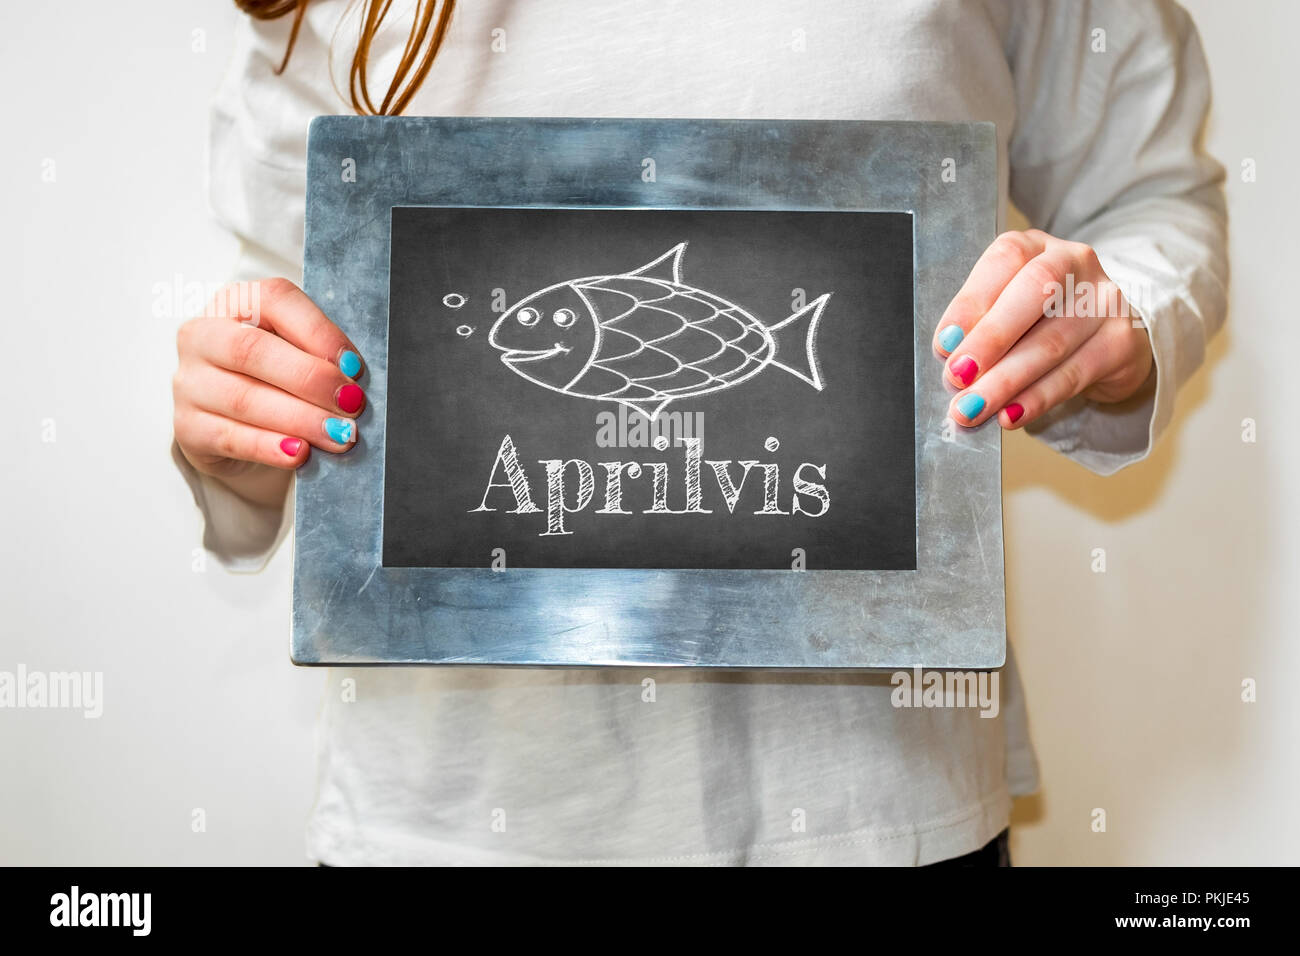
column 1133, row 676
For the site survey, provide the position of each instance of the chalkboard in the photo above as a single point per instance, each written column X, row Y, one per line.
column 650, row 388
column 809, row 509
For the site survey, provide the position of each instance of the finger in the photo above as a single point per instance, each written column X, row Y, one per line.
column 1004, row 257
column 1017, row 308
column 245, row 399
column 281, row 307
column 257, row 353
column 1049, row 343
column 205, row 433
column 1090, row 361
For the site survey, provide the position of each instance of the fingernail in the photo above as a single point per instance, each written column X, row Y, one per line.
column 964, row 370
column 350, row 363
column 349, row 398
column 970, row 405
column 290, row 446
column 1014, row 411
column 950, row 337
column 341, row 430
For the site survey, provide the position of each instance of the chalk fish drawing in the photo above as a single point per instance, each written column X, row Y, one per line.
column 645, row 338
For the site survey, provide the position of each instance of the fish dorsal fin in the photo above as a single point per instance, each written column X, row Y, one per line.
column 667, row 268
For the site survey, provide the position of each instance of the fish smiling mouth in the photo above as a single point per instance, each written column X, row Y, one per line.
column 524, row 355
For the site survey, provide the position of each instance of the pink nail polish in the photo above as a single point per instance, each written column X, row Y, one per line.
column 1014, row 411
column 350, row 398
column 291, row 446
column 964, row 370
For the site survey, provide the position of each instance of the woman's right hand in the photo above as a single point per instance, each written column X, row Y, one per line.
column 262, row 377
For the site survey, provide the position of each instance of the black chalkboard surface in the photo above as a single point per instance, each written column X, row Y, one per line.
column 536, row 354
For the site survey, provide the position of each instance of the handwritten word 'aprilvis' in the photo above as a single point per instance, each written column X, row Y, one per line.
column 564, row 497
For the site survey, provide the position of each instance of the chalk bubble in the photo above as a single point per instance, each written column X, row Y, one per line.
column 453, row 300
column 464, row 331
column 771, row 444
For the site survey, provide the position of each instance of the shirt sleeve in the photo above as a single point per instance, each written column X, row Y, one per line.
column 1112, row 99
column 241, row 535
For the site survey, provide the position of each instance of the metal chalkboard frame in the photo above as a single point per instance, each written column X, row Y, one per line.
column 348, row 609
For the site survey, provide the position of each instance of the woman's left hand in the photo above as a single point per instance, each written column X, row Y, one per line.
column 1037, row 323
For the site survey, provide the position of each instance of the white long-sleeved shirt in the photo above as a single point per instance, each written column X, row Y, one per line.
column 1098, row 108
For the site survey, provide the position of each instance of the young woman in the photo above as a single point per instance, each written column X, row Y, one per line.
column 1098, row 108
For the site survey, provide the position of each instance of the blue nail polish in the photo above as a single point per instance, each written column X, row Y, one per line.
column 350, row 363
column 342, row 430
column 950, row 337
column 970, row 404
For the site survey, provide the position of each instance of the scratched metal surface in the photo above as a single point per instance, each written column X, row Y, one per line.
column 347, row 609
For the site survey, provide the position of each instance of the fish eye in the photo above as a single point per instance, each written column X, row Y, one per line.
column 528, row 316
column 564, row 317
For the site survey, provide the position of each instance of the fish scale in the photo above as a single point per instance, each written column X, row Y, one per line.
column 688, row 339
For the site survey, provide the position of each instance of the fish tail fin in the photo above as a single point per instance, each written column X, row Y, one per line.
column 795, row 340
